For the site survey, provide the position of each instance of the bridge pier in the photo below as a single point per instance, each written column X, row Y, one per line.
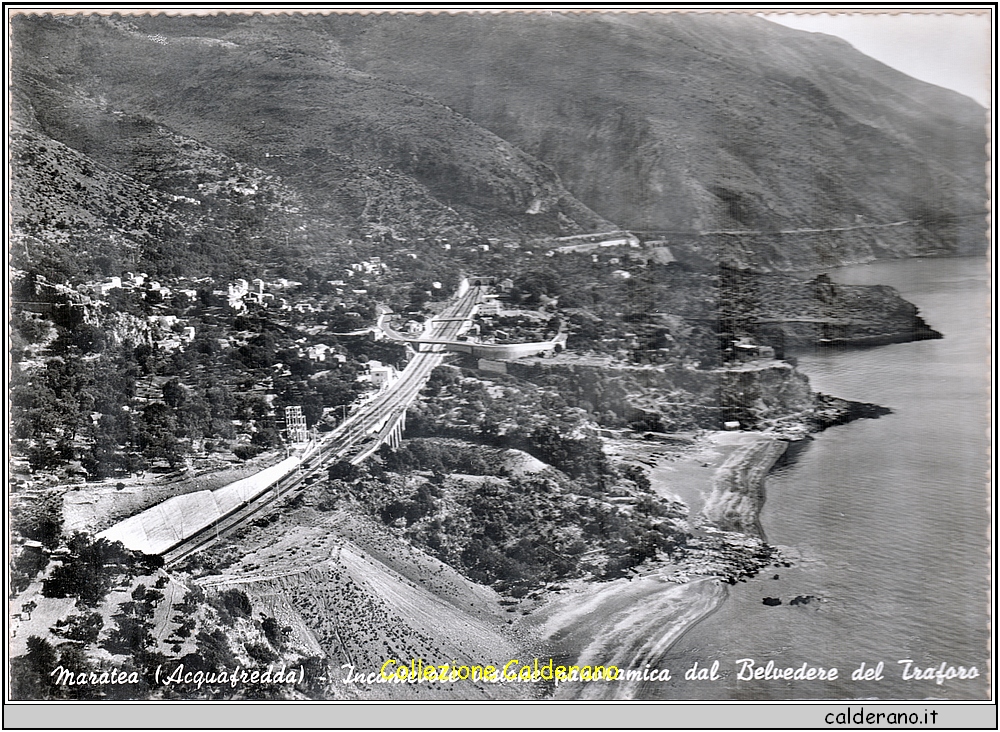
column 395, row 438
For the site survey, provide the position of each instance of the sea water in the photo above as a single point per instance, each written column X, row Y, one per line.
column 886, row 522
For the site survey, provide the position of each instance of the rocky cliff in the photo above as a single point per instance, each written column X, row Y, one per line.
column 670, row 399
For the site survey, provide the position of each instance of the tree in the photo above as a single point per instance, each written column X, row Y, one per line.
column 131, row 636
column 157, row 429
column 235, row 603
column 343, row 470
column 73, row 658
column 259, row 351
column 266, row 437
column 90, row 569
column 578, row 458
column 82, row 628
column 174, row 393
column 88, row 338
column 43, row 457
column 30, row 674
column 25, row 568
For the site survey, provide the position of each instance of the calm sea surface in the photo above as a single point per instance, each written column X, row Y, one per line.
column 888, row 519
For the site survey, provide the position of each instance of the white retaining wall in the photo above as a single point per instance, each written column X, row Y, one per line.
column 160, row 527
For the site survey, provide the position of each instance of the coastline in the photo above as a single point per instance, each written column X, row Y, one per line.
column 865, row 509
column 627, row 623
column 633, row 622
column 738, row 487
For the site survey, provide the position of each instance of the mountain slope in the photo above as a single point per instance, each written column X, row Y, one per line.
column 358, row 154
column 705, row 122
column 680, row 125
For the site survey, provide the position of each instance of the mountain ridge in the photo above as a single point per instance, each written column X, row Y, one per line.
column 536, row 125
column 682, row 141
column 352, row 147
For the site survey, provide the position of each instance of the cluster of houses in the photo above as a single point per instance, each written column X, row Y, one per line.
column 240, row 294
column 163, row 329
column 138, row 283
column 373, row 266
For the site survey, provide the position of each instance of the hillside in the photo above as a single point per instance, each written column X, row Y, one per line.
column 705, row 122
column 219, row 226
column 805, row 152
column 268, row 141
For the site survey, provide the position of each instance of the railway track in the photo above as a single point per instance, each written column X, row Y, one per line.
column 355, row 439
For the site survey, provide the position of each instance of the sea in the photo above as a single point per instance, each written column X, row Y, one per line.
column 886, row 524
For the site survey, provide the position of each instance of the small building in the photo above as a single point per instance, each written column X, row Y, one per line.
column 162, row 321
column 114, row 283
column 746, row 350
column 489, row 307
column 317, row 352
column 379, row 375
column 260, row 298
column 235, row 293
column 383, row 375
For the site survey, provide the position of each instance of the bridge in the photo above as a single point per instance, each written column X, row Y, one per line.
column 493, row 350
column 433, row 341
column 183, row 525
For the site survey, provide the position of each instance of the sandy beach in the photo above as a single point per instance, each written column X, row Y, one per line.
column 632, row 622
column 625, row 623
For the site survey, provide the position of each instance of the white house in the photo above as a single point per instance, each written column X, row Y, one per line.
column 235, row 293
column 317, row 352
column 489, row 306
column 113, row 283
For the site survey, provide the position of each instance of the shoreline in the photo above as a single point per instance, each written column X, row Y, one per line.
column 627, row 623
column 738, row 487
column 635, row 621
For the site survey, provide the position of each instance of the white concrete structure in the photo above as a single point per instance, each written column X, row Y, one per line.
column 157, row 529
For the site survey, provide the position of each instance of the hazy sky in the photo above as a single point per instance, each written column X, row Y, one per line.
column 945, row 48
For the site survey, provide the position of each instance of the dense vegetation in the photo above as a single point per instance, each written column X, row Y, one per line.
column 206, row 625
column 516, row 532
